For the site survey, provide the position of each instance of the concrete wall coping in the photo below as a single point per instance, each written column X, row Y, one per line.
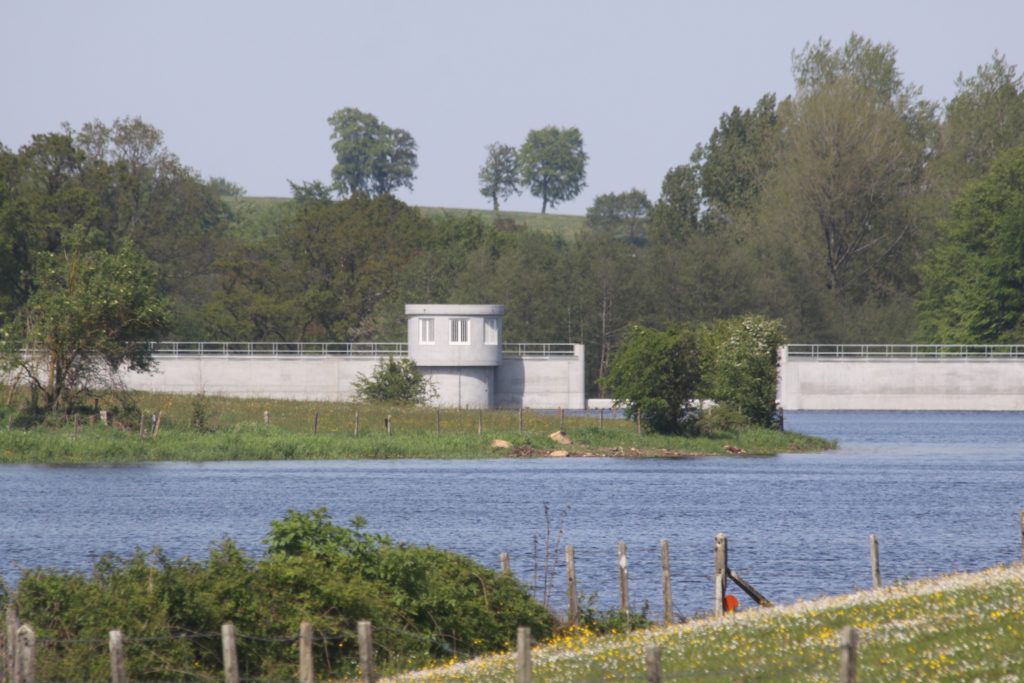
column 455, row 309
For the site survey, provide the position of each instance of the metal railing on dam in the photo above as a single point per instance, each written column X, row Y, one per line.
column 905, row 352
column 207, row 349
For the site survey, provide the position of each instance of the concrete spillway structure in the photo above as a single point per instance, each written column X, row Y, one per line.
column 459, row 348
column 901, row 377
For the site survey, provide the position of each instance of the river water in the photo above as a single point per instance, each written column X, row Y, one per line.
column 942, row 491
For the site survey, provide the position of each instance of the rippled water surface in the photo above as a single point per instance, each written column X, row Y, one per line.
column 943, row 491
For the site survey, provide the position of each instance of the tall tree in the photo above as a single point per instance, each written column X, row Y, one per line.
column 325, row 273
column 655, row 376
column 984, row 118
column 677, row 211
column 372, row 158
column 91, row 314
column 623, row 215
column 553, row 165
column 736, row 159
column 606, row 276
column 843, row 187
column 973, row 279
column 872, row 68
column 499, row 176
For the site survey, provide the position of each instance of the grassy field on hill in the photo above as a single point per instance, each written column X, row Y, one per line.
column 967, row 627
column 217, row 428
column 258, row 216
column 552, row 223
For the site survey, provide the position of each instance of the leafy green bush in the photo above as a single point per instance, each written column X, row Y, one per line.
column 425, row 605
column 394, row 380
column 741, row 365
column 613, row 620
column 721, row 419
column 656, row 375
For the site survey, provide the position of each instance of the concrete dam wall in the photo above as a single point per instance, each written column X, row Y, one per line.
column 527, row 382
column 901, row 377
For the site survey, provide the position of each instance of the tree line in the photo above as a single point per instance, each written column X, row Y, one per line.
column 852, row 210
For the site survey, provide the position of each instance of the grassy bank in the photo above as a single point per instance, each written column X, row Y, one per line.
column 218, row 428
column 958, row 628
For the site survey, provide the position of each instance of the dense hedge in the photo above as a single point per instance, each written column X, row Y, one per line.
column 426, row 605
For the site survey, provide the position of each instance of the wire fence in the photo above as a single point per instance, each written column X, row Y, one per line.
column 343, row 653
column 221, row 349
column 229, row 648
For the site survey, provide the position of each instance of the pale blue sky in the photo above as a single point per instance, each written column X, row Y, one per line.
column 243, row 89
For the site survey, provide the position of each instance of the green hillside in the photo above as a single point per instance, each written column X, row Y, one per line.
column 257, row 217
column 553, row 223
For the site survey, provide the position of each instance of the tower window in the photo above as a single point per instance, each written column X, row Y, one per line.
column 459, row 331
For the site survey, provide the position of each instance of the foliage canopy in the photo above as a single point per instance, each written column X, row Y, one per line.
column 372, row 158
column 425, row 604
column 92, row 313
column 499, row 176
column 553, row 165
column 656, row 376
column 973, row 289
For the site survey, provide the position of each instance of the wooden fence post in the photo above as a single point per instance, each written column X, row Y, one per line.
column 623, row 578
column 366, row 672
column 524, row 666
column 10, row 643
column 118, row 673
column 506, row 568
column 570, row 580
column 521, row 429
column 848, row 655
column 316, row 421
column 652, row 655
column 600, row 419
column 437, row 421
column 387, row 424
column 356, row 431
column 638, row 429
column 666, row 584
column 721, row 572
column 305, row 652
column 230, row 650
column 25, row 657
column 876, row 574
column 159, row 419
column 561, row 419
column 266, row 417
column 480, row 422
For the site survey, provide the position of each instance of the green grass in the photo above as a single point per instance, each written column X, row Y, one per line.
column 958, row 628
column 235, row 430
column 258, row 217
column 551, row 223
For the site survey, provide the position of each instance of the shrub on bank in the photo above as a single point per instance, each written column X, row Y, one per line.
column 426, row 605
